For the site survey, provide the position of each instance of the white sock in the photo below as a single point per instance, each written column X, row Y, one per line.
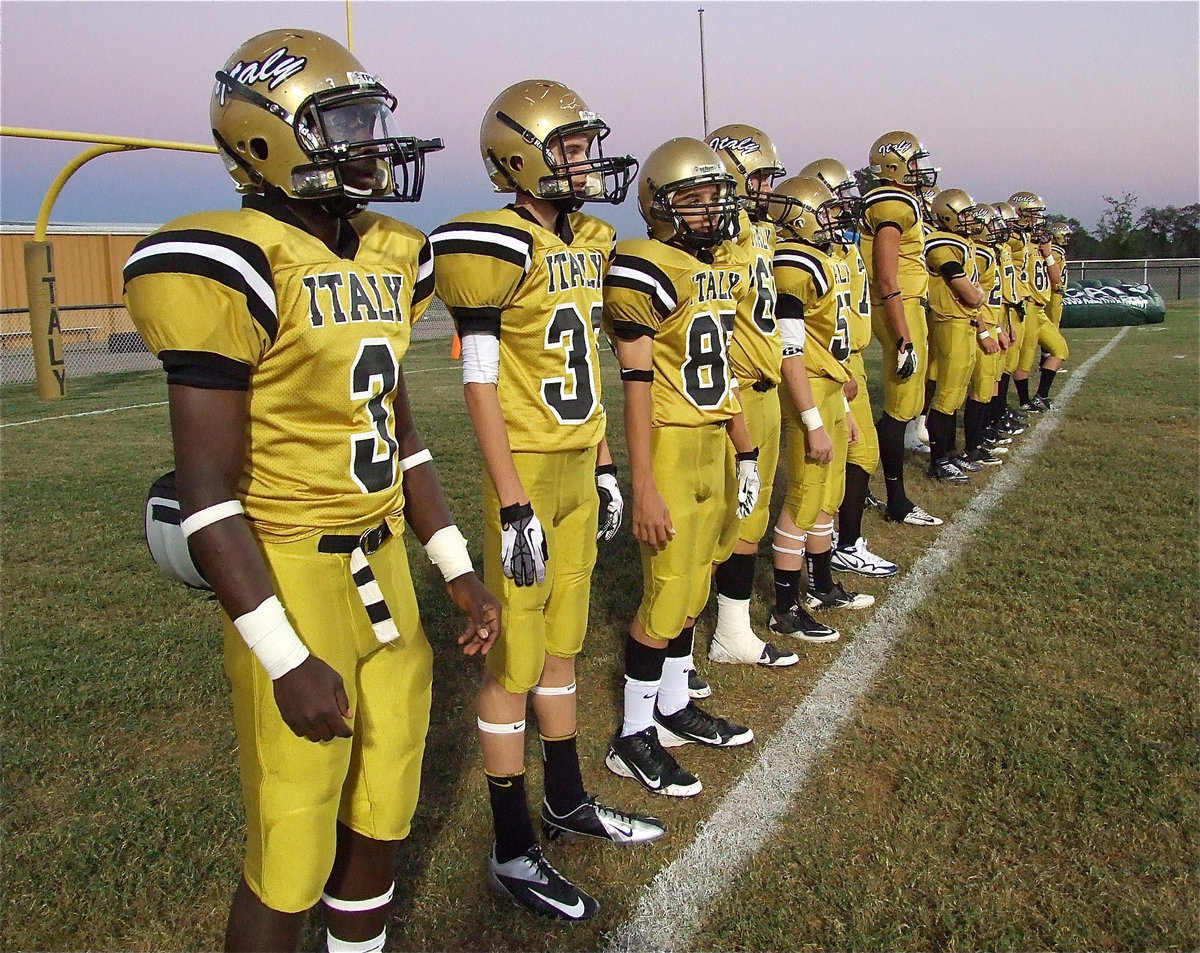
column 733, row 630
column 673, row 693
column 639, row 705
column 334, row 945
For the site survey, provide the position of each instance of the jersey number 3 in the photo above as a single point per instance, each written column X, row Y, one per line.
column 373, row 378
column 572, row 397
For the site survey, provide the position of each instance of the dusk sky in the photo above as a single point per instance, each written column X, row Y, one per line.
column 1073, row 100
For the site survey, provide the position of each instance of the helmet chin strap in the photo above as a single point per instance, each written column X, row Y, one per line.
column 567, row 205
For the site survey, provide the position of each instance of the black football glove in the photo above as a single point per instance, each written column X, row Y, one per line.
column 523, row 551
column 906, row 360
column 612, row 504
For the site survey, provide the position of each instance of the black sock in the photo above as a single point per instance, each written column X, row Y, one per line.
column 1022, row 389
column 643, row 663
column 930, row 390
column 820, row 576
column 1046, row 382
column 681, row 645
column 941, row 432
column 853, row 502
column 735, row 576
column 952, row 443
column 564, row 782
column 974, row 420
column 1004, row 382
column 995, row 409
column 510, row 815
column 891, row 456
column 787, row 586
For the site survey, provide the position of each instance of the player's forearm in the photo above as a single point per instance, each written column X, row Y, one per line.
column 637, row 435
column 739, row 434
column 795, row 378
column 491, row 431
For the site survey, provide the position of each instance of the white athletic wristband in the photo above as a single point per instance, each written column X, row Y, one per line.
column 209, row 515
column 1051, row 261
column 846, row 401
column 447, row 549
column 811, row 418
column 984, row 334
column 421, row 456
column 268, row 634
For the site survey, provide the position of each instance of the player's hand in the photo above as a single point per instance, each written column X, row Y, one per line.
column 1003, row 340
column 523, row 552
column 652, row 518
column 482, row 610
column 850, row 388
column 906, row 359
column 749, row 482
column 988, row 344
column 820, row 447
column 853, row 433
column 312, row 701
column 612, row 504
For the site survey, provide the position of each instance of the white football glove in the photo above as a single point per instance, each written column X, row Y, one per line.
column 906, row 361
column 523, row 551
column 612, row 504
column 749, row 482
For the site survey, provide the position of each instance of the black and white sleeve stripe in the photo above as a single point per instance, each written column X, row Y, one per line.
column 425, row 281
column 484, row 238
column 234, row 262
column 638, row 274
column 789, row 257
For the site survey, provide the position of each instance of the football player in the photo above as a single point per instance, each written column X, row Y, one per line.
column 524, row 286
column 954, row 330
column 862, row 459
column 1040, row 274
column 1053, row 344
column 813, row 282
column 1014, row 290
column 755, row 354
column 981, row 438
column 670, row 302
column 893, row 248
column 282, row 327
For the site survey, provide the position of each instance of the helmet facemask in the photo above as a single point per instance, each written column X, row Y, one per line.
column 721, row 213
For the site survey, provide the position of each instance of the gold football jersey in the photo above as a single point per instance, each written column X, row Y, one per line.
column 889, row 204
column 689, row 308
column 821, row 281
column 1020, row 251
column 540, row 293
column 1008, row 273
column 860, row 296
column 1039, row 276
column 757, row 348
column 254, row 301
column 992, row 312
column 943, row 248
column 1060, row 253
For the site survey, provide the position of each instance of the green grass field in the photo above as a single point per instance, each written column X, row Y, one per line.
column 1024, row 775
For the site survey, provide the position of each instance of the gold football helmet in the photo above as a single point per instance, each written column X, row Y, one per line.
column 678, row 166
column 294, row 110
column 746, row 151
column 803, row 207
column 1031, row 210
column 1060, row 232
column 899, row 157
column 1004, row 223
column 986, row 215
column 926, row 198
column 955, row 211
column 524, row 139
column 840, row 181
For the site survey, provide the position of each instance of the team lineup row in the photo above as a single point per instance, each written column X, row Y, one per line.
column 739, row 324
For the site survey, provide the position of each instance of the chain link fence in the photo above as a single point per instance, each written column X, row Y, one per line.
column 101, row 339
column 1172, row 278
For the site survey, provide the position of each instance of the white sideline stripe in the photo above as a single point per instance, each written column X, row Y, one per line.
column 672, row 906
column 162, row 403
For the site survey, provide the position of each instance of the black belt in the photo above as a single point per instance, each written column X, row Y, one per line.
column 763, row 386
column 368, row 541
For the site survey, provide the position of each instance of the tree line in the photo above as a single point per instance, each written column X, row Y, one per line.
column 1168, row 232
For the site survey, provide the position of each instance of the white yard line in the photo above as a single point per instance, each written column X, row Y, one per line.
column 162, row 403
column 671, row 908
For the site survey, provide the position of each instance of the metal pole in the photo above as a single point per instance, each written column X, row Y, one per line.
column 349, row 29
column 703, row 79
